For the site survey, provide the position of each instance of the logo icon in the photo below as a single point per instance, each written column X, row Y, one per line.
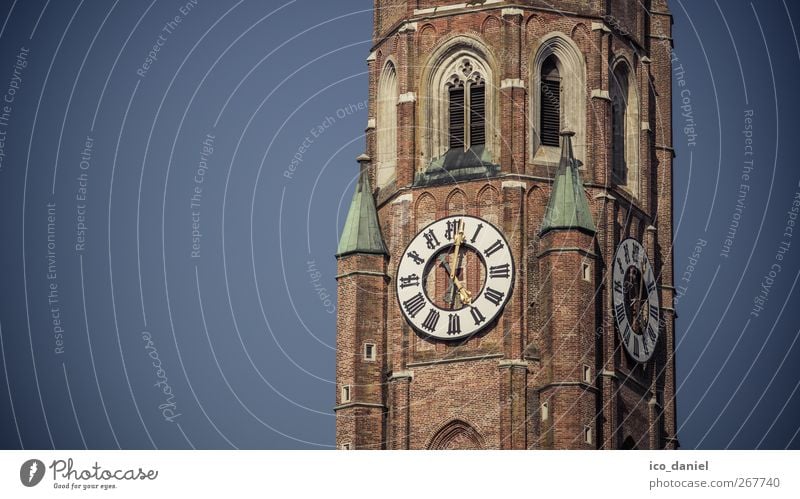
column 31, row 472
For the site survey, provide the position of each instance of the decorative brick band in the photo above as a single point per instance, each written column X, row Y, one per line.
column 455, row 359
column 362, row 272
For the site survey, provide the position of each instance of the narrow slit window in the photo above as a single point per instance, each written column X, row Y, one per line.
column 346, row 393
column 550, row 109
column 587, row 434
column 545, row 411
column 369, row 351
column 587, row 374
column 586, row 270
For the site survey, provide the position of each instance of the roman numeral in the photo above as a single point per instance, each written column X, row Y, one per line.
column 644, row 346
column 635, row 253
column 475, row 235
column 415, row 256
column 627, row 254
column 626, row 335
column 498, row 271
column 654, row 312
column 621, row 268
column 453, row 227
column 431, row 320
column 618, row 287
column 494, row 248
column 494, row 296
column 430, row 239
column 619, row 308
column 652, row 334
column 651, row 286
column 635, row 346
column 414, row 304
column 477, row 316
column 407, row 282
column 454, row 324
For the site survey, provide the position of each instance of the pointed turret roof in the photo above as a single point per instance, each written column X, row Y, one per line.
column 361, row 233
column 568, row 208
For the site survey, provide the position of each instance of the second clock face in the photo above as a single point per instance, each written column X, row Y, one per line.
column 635, row 295
column 455, row 277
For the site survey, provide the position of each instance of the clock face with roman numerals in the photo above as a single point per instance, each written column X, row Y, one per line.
column 636, row 306
column 455, row 277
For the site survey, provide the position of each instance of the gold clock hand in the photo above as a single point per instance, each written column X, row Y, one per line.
column 463, row 293
column 458, row 239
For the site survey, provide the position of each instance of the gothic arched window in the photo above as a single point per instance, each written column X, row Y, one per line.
column 386, row 126
column 458, row 114
column 558, row 97
column 625, row 127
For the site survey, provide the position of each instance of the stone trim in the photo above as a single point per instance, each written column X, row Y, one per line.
column 646, row 126
column 401, row 375
column 512, row 83
column 511, row 184
column 608, row 374
column 407, row 97
column 562, row 250
column 362, row 272
column 512, row 363
column 370, row 123
column 600, row 26
column 605, row 195
column 454, row 359
column 444, row 8
column 509, row 12
column 403, row 197
column 408, row 27
column 372, row 56
column 359, row 404
column 579, row 384
column 601, row 94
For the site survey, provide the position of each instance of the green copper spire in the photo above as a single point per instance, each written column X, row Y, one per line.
column 568, row 208
column 361, row 233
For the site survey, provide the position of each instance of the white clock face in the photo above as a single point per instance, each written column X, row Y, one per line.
column 455, row 277
column 636, row 306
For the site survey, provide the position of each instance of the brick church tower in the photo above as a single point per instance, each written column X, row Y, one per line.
column 505, row 270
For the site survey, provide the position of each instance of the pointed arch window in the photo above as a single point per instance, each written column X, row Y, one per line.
column 625, row 127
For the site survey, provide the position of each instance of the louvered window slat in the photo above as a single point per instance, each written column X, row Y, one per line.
column 477, row 115
column 550, row 119
column 457, row 117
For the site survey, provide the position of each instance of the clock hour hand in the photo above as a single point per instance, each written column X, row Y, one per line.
column 450, row 295
column 464, row 295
